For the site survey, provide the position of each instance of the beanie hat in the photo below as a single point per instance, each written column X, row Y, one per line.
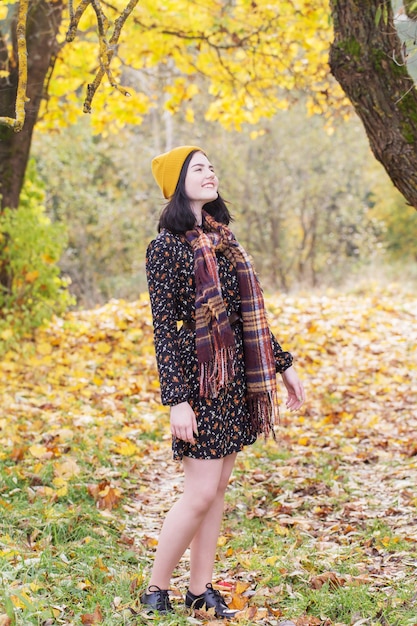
column 166, row 168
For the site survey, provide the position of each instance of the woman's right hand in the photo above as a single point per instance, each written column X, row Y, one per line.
column 183, row 422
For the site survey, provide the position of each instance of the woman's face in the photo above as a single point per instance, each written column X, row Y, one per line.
column 201, row 183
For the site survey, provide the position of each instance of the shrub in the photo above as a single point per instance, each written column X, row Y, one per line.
column 31, row 288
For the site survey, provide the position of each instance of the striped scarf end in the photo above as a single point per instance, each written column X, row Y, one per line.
column 264, row 413
column 217, row 373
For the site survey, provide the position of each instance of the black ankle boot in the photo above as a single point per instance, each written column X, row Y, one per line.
column 211, row 598
column 156, row 600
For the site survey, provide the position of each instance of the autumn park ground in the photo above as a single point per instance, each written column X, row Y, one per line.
column 320, row 526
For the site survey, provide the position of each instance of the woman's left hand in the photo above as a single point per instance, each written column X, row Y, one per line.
column 296, row 394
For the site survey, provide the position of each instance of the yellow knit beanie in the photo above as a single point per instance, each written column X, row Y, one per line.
column 166, row 168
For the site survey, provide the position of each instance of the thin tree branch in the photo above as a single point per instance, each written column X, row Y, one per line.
column 21, row 97
column 75, row 19
column 107, row 50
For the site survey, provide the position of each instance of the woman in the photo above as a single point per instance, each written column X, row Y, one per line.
column 217, row 372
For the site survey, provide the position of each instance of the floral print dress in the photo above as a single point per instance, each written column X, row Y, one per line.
column 224, row 424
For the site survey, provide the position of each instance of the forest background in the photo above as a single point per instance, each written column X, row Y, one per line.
column 310, row 203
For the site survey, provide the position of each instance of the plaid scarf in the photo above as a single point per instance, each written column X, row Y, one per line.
column 214, row 336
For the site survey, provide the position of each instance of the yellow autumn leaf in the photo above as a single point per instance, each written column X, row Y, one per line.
column 44, row 348
column 84, row 584
column 39, row 451
column 189, row 115
column 61, row 487
column 21, row 600
column 244, row 560
column 59, row 481
column 126, row 448
column 102, row 347
column 271, row 560
column 241, row 586
column 281, row 530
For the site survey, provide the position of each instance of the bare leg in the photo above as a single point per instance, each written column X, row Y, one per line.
column 202, row 478
column 204, row 543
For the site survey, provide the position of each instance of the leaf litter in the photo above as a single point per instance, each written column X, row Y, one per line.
column 340, row 480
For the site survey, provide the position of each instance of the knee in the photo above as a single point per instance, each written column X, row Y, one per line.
column 202, row 500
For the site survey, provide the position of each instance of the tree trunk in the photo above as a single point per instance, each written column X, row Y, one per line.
column 366, row 59
column 43, row 23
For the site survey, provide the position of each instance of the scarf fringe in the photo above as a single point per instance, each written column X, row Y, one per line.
column 217, row 373
column 264, row 412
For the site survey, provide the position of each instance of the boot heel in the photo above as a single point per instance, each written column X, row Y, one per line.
column 210, row 599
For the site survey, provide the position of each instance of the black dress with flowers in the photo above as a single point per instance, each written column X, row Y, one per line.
column 224, row 424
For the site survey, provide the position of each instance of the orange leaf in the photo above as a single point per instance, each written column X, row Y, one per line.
column 332, row 578
column 238, row 602
column 93, row 618
column 104, row 494
column 17, row 455
column 31, row 276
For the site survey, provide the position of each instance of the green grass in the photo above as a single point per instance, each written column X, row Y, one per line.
column 284, row 528
column 293, row 549
column 61, row 557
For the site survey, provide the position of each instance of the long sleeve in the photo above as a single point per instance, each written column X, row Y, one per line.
column 283, row 360
column 161, row 271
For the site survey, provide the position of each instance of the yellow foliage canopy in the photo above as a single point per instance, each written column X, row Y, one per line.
column 254, row 56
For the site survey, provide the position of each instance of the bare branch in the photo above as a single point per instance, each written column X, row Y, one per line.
column 107, row 50
column 120, row 22
column 102, row 21
column 75, row 19
column 21, row 97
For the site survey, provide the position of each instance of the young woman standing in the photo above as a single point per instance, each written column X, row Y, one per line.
column 217, row 372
